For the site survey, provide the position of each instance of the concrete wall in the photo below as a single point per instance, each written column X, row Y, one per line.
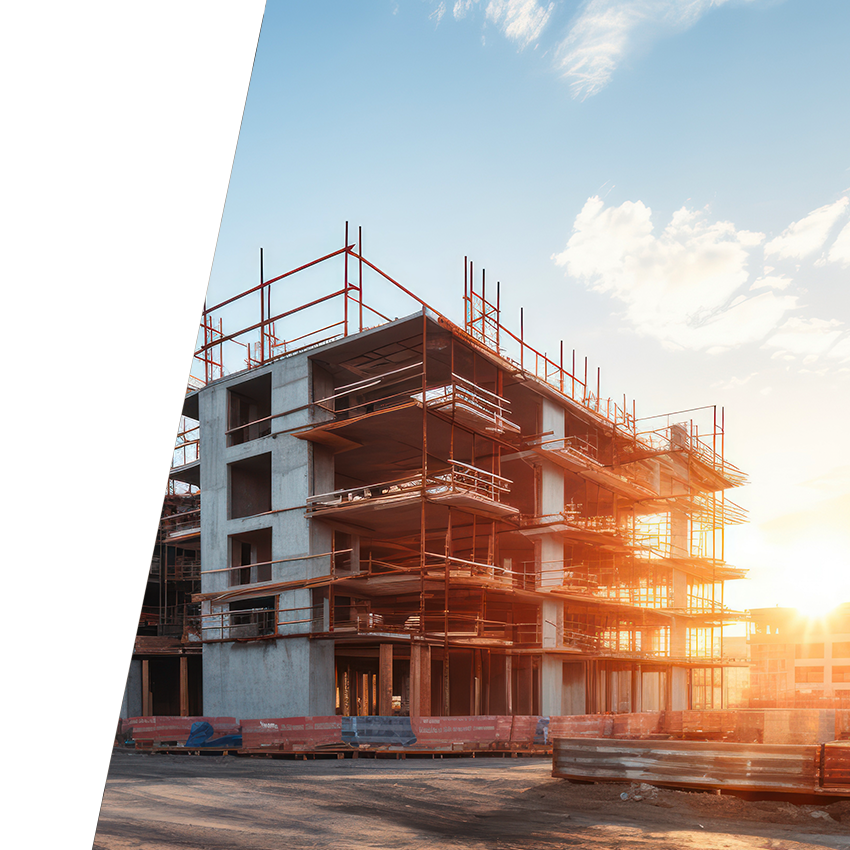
column 282, row 678
column 290, row 676
column 131, row 703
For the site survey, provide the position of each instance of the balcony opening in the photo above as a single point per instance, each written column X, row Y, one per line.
column 249, row 406
column 251, row 554
column 252, row 617
column 250, row 483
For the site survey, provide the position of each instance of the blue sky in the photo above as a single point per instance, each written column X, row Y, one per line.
column 663, row 185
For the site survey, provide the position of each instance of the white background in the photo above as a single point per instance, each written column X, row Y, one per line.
column 120, row 123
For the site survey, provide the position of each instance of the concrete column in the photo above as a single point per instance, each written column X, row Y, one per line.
column 551, row 685
column 552, row 623
column 550, row 568
column 678, row 683
column 678, row 689
column 551, row 668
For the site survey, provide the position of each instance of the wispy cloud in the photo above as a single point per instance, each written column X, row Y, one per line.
column 437, row 14
column 807, row 235
column 461, row 7
column 806, row 338
column 681, row 286
column 840, row 250
column 606, row 31
column 601, row 36
column 520, row 20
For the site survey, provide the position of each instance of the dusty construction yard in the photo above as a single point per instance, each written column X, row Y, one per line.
column 165, row 802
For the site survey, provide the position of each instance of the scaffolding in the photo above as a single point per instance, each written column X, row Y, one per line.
column 451, row 555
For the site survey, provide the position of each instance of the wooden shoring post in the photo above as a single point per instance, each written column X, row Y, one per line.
column 509, row 684
column 345, row 696
column 415, row 683
column 385, row 680
column 163, row 568
column 147, row 708
column 478, row 680
column 184, row 686
column 420, row 679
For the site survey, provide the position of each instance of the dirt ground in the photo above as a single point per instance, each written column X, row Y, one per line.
column 166, row 802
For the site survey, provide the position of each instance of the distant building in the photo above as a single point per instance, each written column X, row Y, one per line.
column 798, row 661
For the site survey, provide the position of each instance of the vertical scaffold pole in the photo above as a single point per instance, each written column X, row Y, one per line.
column 360, row 254
column 262, row 312
column 345, row 285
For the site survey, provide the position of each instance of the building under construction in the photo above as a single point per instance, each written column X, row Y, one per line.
column 415, row 516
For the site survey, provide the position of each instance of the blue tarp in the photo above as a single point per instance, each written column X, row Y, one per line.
column 378, row 730
column 225, row 742
column 199, row 734
column 541, row 733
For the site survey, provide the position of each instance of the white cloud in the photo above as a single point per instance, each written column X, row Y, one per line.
column 840, row 250
column 680, row 286
column 733, row 382
column 806, row 338
column 520, row 20
column 607, row 30
column 807, row 235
